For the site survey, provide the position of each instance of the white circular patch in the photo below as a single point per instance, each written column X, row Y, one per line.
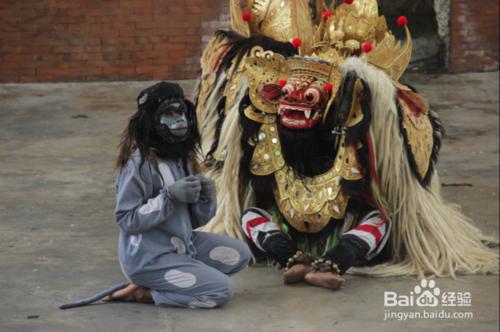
column 179, row 245
column 225, row 255
column 202, row 304
column 135, row 240
column 180, row 279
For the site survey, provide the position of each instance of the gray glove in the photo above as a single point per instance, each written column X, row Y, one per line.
column 207, row 188
column 186, row 190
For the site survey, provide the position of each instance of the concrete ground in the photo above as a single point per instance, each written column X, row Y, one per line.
column 58, row 239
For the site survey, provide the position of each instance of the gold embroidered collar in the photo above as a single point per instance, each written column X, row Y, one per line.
column 308, row 203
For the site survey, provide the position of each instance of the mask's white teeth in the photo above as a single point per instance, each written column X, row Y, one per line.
column 308, row 114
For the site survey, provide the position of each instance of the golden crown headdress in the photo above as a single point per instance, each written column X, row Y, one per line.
column 353, row 28
column 281, row 20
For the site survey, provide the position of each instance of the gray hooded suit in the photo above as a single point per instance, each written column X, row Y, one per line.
column 158, row 248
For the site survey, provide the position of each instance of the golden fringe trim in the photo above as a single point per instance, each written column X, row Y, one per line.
column 227, row 218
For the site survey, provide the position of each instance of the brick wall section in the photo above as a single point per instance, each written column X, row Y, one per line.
column 95, row 40
column 474, row 35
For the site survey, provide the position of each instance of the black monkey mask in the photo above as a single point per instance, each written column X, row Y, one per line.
column 169, row 120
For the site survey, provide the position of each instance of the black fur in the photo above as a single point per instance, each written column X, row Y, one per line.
column 438, row 133
column 339, row 111
column 310, row 152
column 354, row 134
column 262, row 185
column 306, row 151
column 358, row 134
column 180, row 149
column 241, row 46
column 144, row 132
column 218, row 127
column 141, row 135
column 278, row 246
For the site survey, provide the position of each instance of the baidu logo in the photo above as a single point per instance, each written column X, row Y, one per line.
column 425, row 298
column 427, row 294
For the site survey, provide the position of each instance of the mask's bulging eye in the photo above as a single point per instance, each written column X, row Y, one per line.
column 312, row 95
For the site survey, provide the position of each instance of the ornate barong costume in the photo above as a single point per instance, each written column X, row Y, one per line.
column 320, row 154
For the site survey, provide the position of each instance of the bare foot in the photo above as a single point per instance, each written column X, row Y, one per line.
column 122, row 294
column 143, row 295
column 325, row 279
column 131, row 293
column 296, row 273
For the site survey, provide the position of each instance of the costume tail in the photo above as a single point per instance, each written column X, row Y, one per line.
column 92, row 299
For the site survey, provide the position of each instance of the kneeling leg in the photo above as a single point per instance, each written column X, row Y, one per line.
column 185, row 282
column 226, row 254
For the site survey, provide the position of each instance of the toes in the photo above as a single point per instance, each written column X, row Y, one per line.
column 294, row 275
column 338, row 282
column 286, row 278
column 335, row 285
column 310, row 276
column 325, row 280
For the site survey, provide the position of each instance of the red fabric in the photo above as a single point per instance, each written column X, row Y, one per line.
column 372, row 230
column 416, row 104
column 255, row 222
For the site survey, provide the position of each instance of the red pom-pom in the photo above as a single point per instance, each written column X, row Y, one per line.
column 349, row 2
column 247, row 16
column 329, row 87
column 367, row 47
column 402, row 20
column 326, row 15
column 282, row 83
column 296, row 42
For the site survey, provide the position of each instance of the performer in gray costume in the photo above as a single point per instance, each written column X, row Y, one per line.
column 159, row 200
